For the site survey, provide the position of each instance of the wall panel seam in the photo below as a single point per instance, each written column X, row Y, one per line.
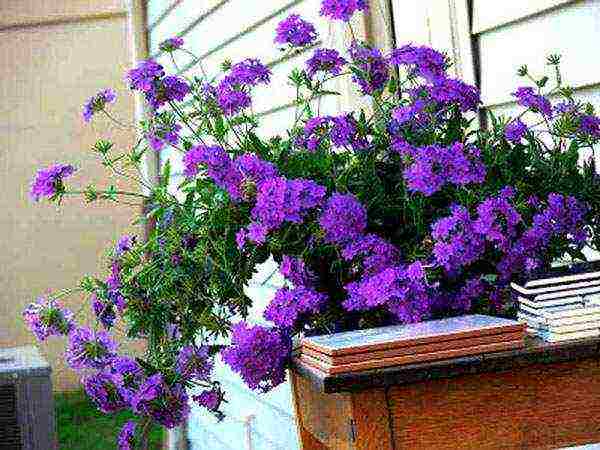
column 237, row 36
column 522, row 18
column 163, row 15
column 57, row 19
column 194, row 23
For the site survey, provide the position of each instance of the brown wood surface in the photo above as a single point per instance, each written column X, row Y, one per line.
column 538, row 406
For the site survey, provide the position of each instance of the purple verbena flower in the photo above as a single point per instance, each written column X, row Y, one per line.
column 450, row 91
column 457, row 244
column 290, row 306
column 104, row 310
column 373, row 67
column 194, row 363
column 325, row 60
column 168, row 89
column 295, row 31
column 498, row 219
column 126, row 439
column 124, row 245
column 401, row 290
column 343, row 219
column 373, row 252
column 171, row 44
column 97, row 103
column 127, row 375
column 295, row 271
column 259, row 355
column 49, row 182
column 144, row 77
column 47, row 317
column 250, row 72
column 515, row 131
column 422, row 61
column 103, row 391
column 433, row 167
column 342, row 9
column 210, row 399
column 219, row 165
column 162, row 135
column 279, row 200
column 90, row 349
column 232, row 98
column 590, row 125
column 167, row 405
column 527, row 97
column 344, row 133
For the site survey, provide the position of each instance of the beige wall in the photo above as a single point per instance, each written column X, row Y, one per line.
column 53, row 55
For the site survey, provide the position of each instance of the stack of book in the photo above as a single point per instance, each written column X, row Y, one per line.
column 409, row 344
column 561, row 306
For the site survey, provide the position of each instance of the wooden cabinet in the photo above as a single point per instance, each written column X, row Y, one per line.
column 540, row 397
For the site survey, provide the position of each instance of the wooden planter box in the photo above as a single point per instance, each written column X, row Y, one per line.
column 541, row 396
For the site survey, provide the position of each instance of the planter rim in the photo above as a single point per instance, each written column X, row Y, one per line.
column 534, row 352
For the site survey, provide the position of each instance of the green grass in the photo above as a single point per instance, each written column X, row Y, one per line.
column 81, row 426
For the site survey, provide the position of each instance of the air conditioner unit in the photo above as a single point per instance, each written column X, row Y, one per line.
column 26, row 405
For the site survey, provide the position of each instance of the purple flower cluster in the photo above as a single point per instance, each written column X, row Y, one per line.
column 124, row 245
column 104, row 392
column 421, row 61
column 342, row 9
column 149, row 78
column 402, row 290
column 374, row 253
column 258, row 354
column 373, row 71
column 515, row 131
column 590, row 125
column 527, row 97
column 232, row 93
column 563, row 217
column 295, row 271
column 163, row 134
column 232, row 176
column 433, row 167
column 171, row 44
column 49, row 182
column 450, row 91
column 90, row 349
column 325, row 60
column 295, row 31
column 194, row 363
column 127, row 375
column 290, row 306
column 210, row 399
column 343, row 219
column 126, row 439
column 47, row 317
column 498, row 219
column 342, row 131
column 167, row 405
column 97, row 103
column 413, row 113
column 280, row 200
column 104, row 310
column 457, row 244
